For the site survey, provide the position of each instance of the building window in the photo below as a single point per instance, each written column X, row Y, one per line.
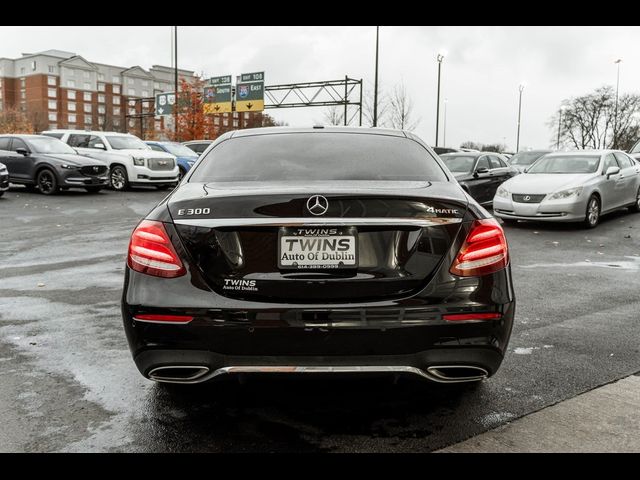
column 102, row 119
column 156, row 85
column 71, row 83
column 53, row 126
column 132, row 122
column 23, row 82
column 115, row 79
column 130, row 81
column 22, row 70
column 87, row 86
column 225, row 122
column 101, row 87
column 51, row 80
column 51, row 92
column 145, row 93
column 52, row 69
column 216, row 121
column 131, row 92
column 87, row 96
column 116, row 89
column 23, row 94
column 116, row 110
column 71, row 106
column 88, row 120
column 71, row 94
column 235, row 123
column 53, row 105
column 116, row 122
column 132, row 111
column 235, row 114
column 53, row 117
column 101, row 109
column 100, row 98
column 116, row 100
column 87, row 74
column 71, row 118
column 87, row 108
column 145, row 83
column 101, row 76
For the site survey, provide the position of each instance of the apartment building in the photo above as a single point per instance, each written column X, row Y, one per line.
column 58, row 89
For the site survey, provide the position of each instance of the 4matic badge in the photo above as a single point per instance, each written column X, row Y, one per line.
column 240, row 285
column 446, row 211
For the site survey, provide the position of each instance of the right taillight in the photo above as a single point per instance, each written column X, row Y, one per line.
column 484, row 251
column 151, row 251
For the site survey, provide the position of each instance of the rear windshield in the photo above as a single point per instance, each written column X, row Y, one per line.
column 526, row 158
column 318, row 156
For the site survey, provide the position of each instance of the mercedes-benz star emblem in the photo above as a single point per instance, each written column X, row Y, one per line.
column 526, row 198
column 317, row 205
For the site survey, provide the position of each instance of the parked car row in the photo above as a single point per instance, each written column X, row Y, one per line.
column 92, row 160
column 578, row 186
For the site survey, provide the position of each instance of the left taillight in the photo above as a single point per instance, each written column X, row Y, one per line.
column 484, row 251
column 151, row 251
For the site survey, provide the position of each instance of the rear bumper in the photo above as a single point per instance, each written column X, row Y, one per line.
column 84, row 181
column 143, row 175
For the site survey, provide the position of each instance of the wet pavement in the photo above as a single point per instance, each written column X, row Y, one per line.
column 68, row 382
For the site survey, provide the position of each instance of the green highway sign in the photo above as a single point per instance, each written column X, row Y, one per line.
column 217, row 99
column 250, row 97
column 165, row 102
column 252, row 77
column 223, row 80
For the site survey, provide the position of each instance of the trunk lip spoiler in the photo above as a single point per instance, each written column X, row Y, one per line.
column 317, row 222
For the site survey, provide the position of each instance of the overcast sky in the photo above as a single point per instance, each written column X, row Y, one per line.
column 480, row 75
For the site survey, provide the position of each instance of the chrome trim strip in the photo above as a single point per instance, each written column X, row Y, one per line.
column 315, row 222
column 196, row 378
column 320, row 369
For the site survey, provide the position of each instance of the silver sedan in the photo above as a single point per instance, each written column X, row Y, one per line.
column 571, row 187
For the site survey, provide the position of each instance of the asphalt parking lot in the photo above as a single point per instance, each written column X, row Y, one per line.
column 69, row 384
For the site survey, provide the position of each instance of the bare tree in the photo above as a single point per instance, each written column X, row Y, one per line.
column 401, row 109
column 471, row 145
column 588, row 121
column 367, row 107
column 334, row 115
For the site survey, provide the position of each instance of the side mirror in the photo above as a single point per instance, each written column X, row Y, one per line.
column 99, row 146
column 481, row 170
column 612, row 171
column 22, row 151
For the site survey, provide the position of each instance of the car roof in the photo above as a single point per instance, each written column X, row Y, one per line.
column 204, row 140
column 90, row 132
column 468, row 154
column 24, row 135
column 575, row 153
column 317, row 130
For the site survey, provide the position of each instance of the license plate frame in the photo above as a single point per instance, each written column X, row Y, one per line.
column 348, row 233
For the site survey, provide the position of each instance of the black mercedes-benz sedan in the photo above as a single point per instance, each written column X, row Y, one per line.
column 479, row 173
column 318, row 250
column 49, row 164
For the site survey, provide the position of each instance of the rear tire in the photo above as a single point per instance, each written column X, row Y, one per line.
column 592, row 215
column 93, row 189
column 47, row 182
column 118, row 179
column 636, row 206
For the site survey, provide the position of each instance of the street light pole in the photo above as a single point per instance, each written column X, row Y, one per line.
column 520, row 88
column 444, row 125
column 615, row 115
column 559, row 127
column 175, row 78
column 375, row 85
column 440, row 58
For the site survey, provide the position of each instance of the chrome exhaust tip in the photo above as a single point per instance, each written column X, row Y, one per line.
column 178, row 373
column 457, row 373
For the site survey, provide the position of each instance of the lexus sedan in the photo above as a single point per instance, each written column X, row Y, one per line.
column 523, row 160
column 4, row 179
column 318, row 250
column 50, row 164
column 479, row 173
column 571, row 187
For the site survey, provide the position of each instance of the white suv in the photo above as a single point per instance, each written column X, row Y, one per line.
column 131, row 161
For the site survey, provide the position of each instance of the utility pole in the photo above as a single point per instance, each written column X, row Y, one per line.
column 440, row 58
column 175, row 78
column 615, row 115
column 375, row 85
column 559, row 126
column 521, row 88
